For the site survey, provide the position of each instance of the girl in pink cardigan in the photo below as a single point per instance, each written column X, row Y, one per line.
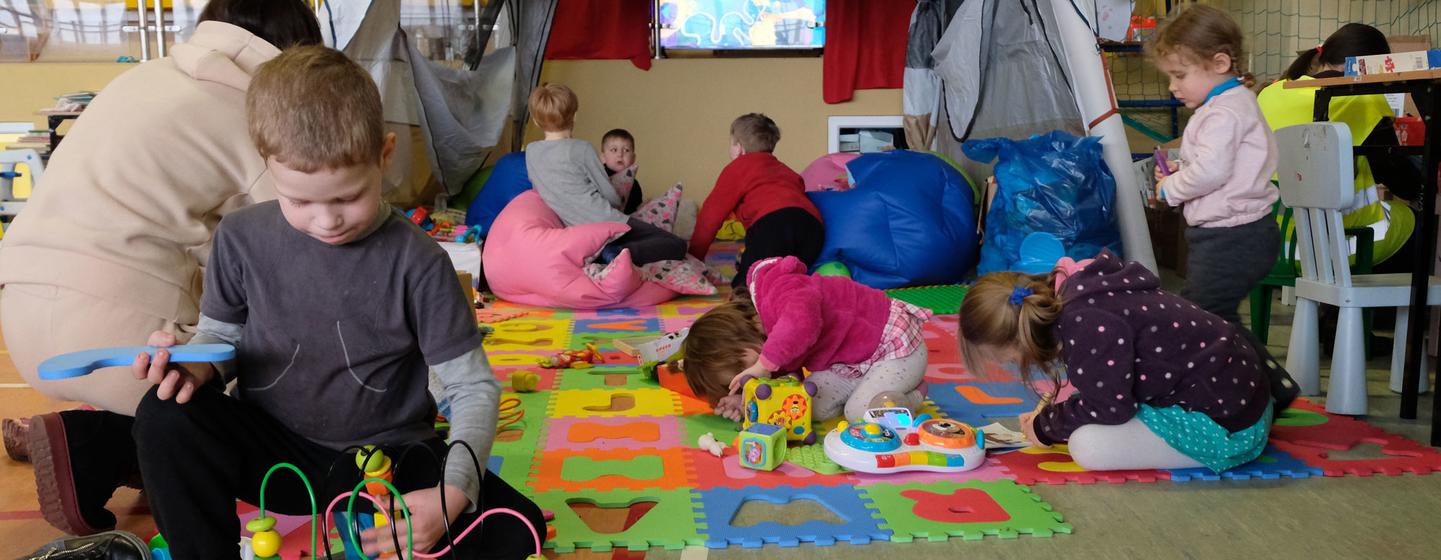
column 1225, row 189
column 857, row 343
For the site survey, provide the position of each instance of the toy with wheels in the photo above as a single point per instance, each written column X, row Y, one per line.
column 784, row 402
column 928, row 444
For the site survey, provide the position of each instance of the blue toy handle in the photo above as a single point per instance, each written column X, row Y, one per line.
column 76, row 364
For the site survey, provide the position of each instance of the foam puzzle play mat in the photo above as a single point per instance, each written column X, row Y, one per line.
column 613, row 436
column 611, row 433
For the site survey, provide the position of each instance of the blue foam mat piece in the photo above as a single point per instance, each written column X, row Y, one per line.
column 960, row 408
column 861, row 523
column 1272, row 464
column 76, row 364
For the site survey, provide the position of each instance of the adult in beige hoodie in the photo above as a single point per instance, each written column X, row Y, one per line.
column 114, row 240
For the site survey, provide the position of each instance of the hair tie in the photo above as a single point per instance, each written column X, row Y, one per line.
column 1018, row 295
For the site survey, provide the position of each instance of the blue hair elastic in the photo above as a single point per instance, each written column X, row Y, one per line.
column 1018, row 295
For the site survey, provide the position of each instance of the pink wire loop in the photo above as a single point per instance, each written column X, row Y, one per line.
column 380, row 507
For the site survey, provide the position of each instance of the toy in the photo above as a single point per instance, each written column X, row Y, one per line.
column 762, row 447
column 927, row 444
column 784, row 402
column 670, row 376
column 524, row 381
column 707, row 441
column 76, row 364
column 263, row 539
column 373, row 462
column 577, row 359
column 653, row 349
column 833, row 268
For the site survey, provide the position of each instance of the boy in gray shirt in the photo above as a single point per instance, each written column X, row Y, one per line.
column 568, row 176
column 338, row 307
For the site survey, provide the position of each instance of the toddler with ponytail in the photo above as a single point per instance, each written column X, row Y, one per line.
column 1159, row 382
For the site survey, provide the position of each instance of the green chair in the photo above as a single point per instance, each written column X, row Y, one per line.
column 1283, row 273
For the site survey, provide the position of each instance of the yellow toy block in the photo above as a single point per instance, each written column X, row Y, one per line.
column 784, row 402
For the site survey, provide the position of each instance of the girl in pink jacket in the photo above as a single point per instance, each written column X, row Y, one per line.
column 857, row 343
column 1229, row 153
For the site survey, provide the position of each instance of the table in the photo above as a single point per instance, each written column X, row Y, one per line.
column 1425, row 89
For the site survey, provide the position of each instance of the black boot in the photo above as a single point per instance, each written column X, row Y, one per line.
column 110, row 545
column 81, row 457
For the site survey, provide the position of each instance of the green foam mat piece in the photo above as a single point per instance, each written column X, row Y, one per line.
column 605, row 340
column 814, row 457
column 520, row 454
column 596, row 378
column 725, row 430
column 942, row 300
column 671, row 523
column 582, row 469
column 937, row 511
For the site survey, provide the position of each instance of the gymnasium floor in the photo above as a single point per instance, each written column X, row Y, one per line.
column 1377, row 517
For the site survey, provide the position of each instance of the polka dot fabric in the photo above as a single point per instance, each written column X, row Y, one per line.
column 1126, row 343
column 1199, row 437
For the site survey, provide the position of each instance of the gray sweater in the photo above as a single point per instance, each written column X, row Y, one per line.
column 568, row 176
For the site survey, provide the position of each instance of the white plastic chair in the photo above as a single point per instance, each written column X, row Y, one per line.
column 1315, row 171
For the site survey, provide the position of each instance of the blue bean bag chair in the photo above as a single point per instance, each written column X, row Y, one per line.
column 507, row 180
column 910, row 221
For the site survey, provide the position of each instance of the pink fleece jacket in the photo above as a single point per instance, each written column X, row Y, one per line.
column 815, row 321
column 1228, row 155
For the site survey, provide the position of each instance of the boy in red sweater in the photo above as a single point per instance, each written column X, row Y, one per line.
column 767, row 197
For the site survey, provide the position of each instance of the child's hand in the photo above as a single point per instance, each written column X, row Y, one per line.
column 1028, row 427
column 175, row 381
column 1159, row 175
column 756, row 370
column 426, row 521
column 729, row 407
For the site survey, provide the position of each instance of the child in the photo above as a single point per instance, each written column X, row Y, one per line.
column 1229, row 154
column 618, row 154
column 767, row 197
column 568, row 175
column 1160, row 383
column 857, row 343
column 338, row 307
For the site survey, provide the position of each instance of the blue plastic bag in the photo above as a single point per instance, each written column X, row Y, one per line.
column 1054, row 183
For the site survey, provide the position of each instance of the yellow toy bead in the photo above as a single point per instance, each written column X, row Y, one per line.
column 872, row 430
column 265, row 544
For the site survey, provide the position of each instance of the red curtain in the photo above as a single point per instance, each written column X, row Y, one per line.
column 601, row 29
column 865, row 46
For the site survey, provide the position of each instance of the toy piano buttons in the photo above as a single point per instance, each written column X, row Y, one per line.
column 928, row 444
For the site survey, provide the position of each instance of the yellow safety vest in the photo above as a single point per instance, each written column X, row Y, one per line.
column 1361, row 113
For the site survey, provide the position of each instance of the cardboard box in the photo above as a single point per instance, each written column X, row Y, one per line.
column 1392, row 63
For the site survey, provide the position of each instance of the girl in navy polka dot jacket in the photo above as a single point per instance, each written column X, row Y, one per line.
column 1160, row 383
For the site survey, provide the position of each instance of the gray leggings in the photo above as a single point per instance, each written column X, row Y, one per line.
column 1226, row 262
column 836, row 394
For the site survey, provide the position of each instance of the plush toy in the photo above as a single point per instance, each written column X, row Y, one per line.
column 577, row 359
column 708, row 442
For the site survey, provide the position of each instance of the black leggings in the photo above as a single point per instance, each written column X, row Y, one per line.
column 788, row 232
column 198, row 458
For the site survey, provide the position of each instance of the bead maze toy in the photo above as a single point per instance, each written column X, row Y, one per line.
column 77, row 364
column 783, row 402
column 927, row 444
column 762, row 446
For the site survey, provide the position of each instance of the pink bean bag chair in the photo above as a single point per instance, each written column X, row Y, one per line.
column 828, row 173
column 531, row 258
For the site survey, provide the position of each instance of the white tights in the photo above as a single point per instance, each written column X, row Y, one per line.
column 1129, row 446
column 852, row 396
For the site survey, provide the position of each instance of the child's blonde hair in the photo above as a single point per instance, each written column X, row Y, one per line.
column 1011, row 310
column 715, row 346
column 755, row 132
column 312, row 108
column 1198, row 32
column 553, row 107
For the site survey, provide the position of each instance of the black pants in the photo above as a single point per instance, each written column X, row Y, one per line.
column 647, row 244
column 1226, row 262
column 199, row 457
column 788, row 232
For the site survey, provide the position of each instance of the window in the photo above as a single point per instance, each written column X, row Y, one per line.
column 742, row 24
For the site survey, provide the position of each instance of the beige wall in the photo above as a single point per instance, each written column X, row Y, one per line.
column 31, row 87
column 680, row 111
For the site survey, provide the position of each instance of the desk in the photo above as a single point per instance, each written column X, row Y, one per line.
column 1425, row 89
